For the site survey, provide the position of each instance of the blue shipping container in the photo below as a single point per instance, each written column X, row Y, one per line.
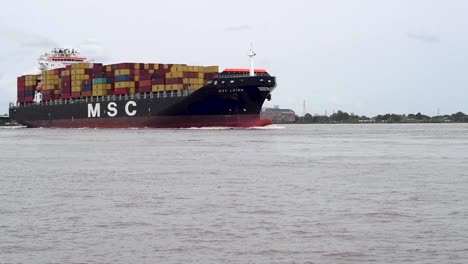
column 122, row 78
column 87, row 88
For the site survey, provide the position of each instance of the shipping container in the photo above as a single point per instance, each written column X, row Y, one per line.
column 123, row 78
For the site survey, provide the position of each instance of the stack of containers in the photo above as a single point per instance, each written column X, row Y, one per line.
column 210, row 72
column 50, row 84
column 183, row 77
column 81, row 79
column 101, row 85
column 144, row 78
column 158, row 76
column 65, row 83
column 31, row 82
column 126, row 82
column 21, row 88
column 87, row 79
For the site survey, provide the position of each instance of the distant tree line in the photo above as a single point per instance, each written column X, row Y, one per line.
column 344, row 117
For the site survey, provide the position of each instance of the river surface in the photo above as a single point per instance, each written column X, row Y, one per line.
column 281, row 194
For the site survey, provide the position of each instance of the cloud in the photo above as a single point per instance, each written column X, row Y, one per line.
column 27, row 39
column 426, row 38
column 238, row 28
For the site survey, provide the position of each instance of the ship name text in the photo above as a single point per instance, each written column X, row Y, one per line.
column 231, row 90
column 95, row 110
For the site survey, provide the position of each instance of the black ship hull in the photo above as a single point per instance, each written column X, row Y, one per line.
column 233, row 102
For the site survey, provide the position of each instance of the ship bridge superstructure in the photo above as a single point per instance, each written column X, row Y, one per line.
column 60, row 58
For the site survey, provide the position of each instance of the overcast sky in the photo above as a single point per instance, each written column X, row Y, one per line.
column 366, row 57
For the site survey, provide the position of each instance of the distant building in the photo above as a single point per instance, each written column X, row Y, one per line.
column 278, row 115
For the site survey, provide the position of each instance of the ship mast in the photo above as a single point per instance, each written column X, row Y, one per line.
column 251, row 57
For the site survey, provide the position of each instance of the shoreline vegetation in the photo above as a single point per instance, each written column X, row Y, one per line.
column 342, row 117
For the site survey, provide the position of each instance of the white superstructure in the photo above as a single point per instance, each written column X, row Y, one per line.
column 59, row 58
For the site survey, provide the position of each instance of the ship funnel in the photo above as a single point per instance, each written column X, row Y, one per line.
column 251, row 56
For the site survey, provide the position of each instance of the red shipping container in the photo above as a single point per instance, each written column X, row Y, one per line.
column 209, row 76
column 28, row 98
column 99, row 75
column 21, row 79
column 97, row 67
column 145, row 83
column 144, row 89
column 175, row 81
column 121, row 91
column 66, row 95
column 157, row 81
column 121, row 66
column 46, row 97
column 30, row 88
column 87, row 93
column 145, row 77
column 139, row 72
column 75, row 94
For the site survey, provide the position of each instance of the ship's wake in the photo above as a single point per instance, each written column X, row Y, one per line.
column 269, row 127
column 12, row 127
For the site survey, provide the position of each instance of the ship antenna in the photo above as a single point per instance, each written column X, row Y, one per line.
column 251, row 56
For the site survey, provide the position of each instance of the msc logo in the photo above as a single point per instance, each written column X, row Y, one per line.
column 95, row 111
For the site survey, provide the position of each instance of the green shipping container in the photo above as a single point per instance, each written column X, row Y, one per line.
column 99, row 80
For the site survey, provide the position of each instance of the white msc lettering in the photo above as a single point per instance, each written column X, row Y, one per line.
column 112, row 107
column 94, row 112
column 132, row 113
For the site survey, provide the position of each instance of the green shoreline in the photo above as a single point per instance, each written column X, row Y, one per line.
column 341, row 117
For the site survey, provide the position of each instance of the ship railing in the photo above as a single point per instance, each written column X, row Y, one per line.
column 105, row 98
column 224, row 76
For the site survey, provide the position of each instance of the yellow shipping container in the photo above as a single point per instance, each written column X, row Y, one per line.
column 122, row 72
column 174, row 75
column 151, row 71
column 82, row 65
column 157, row 88
column 211, row 69
column 125, row 85
column 80, row 77
column 76, row 89
column 102, row 86
column 146, row 66
column 177, row 87
column 99, row 92
column 78, row 71
column 137, row 66
column 30, row 77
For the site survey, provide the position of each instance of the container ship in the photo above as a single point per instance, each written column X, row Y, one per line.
column 74, row 92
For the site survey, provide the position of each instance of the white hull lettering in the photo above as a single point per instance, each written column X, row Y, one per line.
column 112, row 107
column 94, row 111
column 127, row 111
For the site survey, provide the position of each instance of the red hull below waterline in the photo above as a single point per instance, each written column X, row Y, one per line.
column 156, row 122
